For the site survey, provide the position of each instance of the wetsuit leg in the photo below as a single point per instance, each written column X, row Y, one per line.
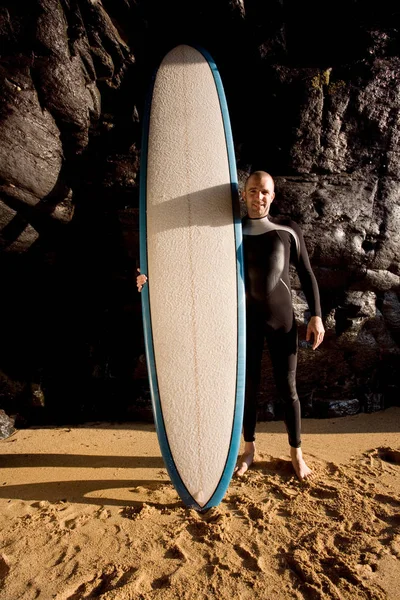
column 283, row 352
column 254, row 348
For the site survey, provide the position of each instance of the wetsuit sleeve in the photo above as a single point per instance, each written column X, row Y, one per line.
column 307, row 278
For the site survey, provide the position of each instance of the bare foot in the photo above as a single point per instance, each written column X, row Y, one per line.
column 246, row 459
column 302, row 471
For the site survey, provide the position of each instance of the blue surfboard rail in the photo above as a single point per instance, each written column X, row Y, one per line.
column 225, row 479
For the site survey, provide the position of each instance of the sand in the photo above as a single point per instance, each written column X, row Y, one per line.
column 89, row 512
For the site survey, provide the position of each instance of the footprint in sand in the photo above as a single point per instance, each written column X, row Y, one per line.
column 255, row 512
column 324, row 492
column 332, row 513
column 4, row 567
column 61, row 558
column 75, row 521
column 325, row 497
column 250, row 562
column 176, row 552
column 68, row 554
column 385, row 499
column 110, row 578
column 389, row 455
column 161, row 582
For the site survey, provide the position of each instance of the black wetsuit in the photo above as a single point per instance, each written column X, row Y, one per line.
column 269, row 248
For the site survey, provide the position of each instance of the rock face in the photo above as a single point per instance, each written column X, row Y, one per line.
column 313, row 99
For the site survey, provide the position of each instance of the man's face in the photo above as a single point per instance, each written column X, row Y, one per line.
column 258, row 195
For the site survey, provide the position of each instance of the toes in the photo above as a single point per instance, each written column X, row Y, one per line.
column 241, row 470
column 305, row 476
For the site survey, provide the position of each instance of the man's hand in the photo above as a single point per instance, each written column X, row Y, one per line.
column 315, row 328
column 140, row 281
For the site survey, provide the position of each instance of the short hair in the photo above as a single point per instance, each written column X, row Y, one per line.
column 258, row 174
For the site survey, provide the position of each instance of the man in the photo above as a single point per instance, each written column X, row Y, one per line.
column 270, row 246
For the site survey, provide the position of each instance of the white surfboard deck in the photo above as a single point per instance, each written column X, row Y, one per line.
column 193, row 304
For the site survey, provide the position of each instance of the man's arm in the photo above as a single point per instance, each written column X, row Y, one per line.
column 315, row 328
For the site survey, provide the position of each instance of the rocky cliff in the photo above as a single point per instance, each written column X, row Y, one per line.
column 314, row 98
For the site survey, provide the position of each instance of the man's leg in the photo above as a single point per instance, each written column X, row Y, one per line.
column 254, row 350
column 283, row 351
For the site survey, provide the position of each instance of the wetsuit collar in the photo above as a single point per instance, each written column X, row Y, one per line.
column 257, row 226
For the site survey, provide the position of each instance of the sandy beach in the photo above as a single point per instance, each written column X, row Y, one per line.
column 89, row 512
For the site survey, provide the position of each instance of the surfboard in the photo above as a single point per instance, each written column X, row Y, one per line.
column 193, row 304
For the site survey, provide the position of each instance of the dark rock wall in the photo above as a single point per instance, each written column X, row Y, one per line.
column 314, row 98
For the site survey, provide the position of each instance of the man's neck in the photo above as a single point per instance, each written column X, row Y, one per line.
column 258, row 218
